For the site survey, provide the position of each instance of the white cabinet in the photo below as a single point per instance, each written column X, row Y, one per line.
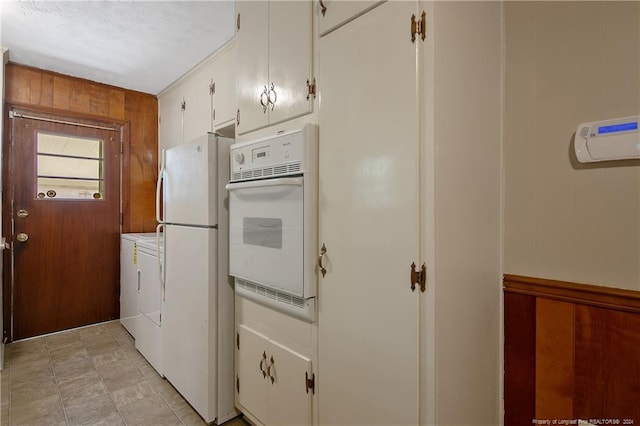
column 223, row 80
column 274, row 62
column 274, row 383
column 333, row 13
column 203, row 101
column 410, row 151
column 368, row 316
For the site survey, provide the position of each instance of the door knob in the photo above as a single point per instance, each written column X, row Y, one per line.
column 22, row 237
column 23, row 213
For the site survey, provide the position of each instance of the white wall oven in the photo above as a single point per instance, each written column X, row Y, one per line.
column 273, row 221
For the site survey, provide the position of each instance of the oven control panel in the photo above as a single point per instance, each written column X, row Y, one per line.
column 289, row 153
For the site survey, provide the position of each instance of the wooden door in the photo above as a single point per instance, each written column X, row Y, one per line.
column 368, row 335
column 66, row 210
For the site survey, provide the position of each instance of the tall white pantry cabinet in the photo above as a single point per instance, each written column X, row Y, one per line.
column 409, row 174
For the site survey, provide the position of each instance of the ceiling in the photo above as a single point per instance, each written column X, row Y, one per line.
column 138, row 45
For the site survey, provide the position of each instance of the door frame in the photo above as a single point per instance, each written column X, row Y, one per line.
column 6, row 167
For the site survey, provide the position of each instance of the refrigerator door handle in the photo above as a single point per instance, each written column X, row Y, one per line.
column 161, row 262
column 158, row 186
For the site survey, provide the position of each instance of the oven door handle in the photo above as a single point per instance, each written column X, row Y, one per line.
column 265, row 183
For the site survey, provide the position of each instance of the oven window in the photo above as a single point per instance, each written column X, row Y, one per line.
column 262, row 231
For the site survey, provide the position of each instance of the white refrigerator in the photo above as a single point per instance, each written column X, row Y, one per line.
column 197, row 306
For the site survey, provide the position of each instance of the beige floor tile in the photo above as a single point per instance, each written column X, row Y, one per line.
column 62, row 339
column 35, row 366
column 35, row 388
column 135, row 356
column 109, row 357
column 73, row 368
column 119, row 375
column 188, row 415
column 28, row 346
column 145, row 410
column 77, row 389
column 96, row 330
column 133, row 393
column 69, row 353
column 99, row 348
column 38, row 412
column 94, row 411
column 164, row 420
column 125, row 339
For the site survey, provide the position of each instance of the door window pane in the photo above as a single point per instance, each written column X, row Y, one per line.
column 69, row 167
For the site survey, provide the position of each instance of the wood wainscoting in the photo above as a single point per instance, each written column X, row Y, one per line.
column 63, row 95
column 572, row 351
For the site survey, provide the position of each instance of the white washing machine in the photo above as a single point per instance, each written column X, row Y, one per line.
column 129, row 313
column 149, row 303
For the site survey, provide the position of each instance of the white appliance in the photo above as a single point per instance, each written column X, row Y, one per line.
column 149, row 302
column 197, row 307
column 273, row 221
column 129, row 278
column 615, row 139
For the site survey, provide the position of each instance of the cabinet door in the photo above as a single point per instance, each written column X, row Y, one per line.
column 368, row 218
column 252, row 43
column 197, row 113
column 289, row 402
column 251, row 362
column 224, row 97
column 170, row 129
column 290, row 53
column 337, row 12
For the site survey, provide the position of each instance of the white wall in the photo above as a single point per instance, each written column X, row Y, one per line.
column 567, row 63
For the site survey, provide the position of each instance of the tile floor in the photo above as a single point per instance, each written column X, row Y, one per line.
column 88, row 376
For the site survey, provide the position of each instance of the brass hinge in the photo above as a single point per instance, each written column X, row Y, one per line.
column 183, row 105
column 311, row 88
column 238, row 118
column 237, row 383
column 238, row 22
column 310, row 383
column 418, row 27
column 212, row 88
column 238, row 340
column 418, row 277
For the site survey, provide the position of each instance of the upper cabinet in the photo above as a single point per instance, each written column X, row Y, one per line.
column 334, row 13
column 202, row 101
column 274, row 62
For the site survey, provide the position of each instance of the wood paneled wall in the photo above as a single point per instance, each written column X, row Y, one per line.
column 137, row 112
column 572, row 351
